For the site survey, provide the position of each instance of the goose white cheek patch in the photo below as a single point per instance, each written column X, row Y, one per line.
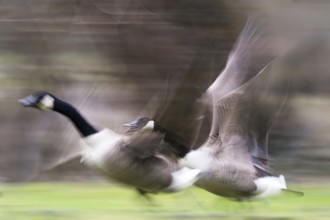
column 46, row 103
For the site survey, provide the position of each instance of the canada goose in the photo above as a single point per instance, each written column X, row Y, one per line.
column 236, row 153
column 233, row 159
column 133, row 160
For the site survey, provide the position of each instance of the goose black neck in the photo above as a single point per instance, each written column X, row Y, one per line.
column 77, row 119
column 176, row 143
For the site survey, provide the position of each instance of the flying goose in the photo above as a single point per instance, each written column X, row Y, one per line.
column 135, row 160
column 233, row 159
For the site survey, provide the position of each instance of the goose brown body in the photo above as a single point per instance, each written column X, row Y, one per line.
column 117, row 159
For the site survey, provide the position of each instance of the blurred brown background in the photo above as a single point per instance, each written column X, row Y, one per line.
column 109, row 57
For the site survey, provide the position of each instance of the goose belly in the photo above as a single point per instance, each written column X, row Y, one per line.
column 228, row 180
column 151, row 174
column 107, row 152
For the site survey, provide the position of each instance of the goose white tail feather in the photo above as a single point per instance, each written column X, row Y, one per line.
column 198, row 159
column 269, row 186
column 183, row 179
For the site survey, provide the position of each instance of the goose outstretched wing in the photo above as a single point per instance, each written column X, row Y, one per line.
column 252, row 51
column 180, row 111
column 238, row 96
column 184, row 110
column 243, row 118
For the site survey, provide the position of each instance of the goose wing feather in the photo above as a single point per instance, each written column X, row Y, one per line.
column 184, row 110
column 251, row 110
column 239, row 94
column 177, row 109
column 144, row 144
column 250, row 54
column 248, row 113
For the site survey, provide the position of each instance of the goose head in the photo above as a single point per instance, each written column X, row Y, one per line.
column 47, row 101
column 39, row 100
column 139, row 124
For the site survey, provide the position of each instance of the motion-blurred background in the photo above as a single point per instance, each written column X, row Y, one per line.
column 109, row 57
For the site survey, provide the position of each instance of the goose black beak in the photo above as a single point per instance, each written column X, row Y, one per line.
column 28, row 101
column 131, row 127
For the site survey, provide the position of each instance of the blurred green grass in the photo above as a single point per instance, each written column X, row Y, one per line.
column 82, row 201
